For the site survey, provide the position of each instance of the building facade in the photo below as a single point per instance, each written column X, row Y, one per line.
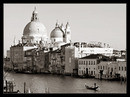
column 71, row 60
column 55, row 59
column 86, row 49
column 39, row 59
column 87, row 66
column 111, row 70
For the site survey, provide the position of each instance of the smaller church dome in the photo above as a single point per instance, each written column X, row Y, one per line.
column 57, row 33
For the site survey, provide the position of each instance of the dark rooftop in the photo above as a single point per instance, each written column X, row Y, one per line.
column 93, row 56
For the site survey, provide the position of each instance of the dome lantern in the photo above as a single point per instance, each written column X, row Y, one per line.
column 34, row 15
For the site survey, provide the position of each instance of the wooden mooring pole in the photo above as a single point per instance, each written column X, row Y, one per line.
column 24, row 87
column 6, row 86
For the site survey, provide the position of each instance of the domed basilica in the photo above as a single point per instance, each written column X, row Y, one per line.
column 35, row 32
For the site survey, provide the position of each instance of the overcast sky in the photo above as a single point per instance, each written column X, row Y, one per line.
column 88, row 22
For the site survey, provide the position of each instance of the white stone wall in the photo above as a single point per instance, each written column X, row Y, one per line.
column 104, row 51
column 111, row 68
column 56, row 40
column 123, row 69
column 87, row 63
column 17, row 54
column 70, row 59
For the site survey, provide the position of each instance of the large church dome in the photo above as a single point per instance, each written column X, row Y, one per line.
column 35, row 28
column 34, row 31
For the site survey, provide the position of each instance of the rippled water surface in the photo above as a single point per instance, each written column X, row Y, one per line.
column 63, row 84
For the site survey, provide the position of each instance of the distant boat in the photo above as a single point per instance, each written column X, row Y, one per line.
column 46, row 90
column 92, row 87
column 28, row 72
column 29, row 91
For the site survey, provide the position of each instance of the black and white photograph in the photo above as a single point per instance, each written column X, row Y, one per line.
column 64, row 48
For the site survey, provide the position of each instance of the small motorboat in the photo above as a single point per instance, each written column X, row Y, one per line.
column 92, row 87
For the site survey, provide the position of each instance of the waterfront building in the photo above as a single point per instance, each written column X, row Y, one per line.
column 55, row 58
column 7, row 64
column 87, row 65
column 99, row 66
column 63, row 56
column 39, row 60
column 122, row 69
column 85, row 48
column 17, row 55
column 111, row 70
column 47, row 62
column 106, row 69
column 29, row 60
column 71, row 60
column 36, row 60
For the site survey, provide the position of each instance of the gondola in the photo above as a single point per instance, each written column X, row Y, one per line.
column 92, row 87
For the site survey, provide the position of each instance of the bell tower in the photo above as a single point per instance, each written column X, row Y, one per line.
column 67, row 33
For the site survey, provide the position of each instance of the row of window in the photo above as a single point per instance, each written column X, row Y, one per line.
column 105, row 67
column 122, row 68
column 89, row 72
column 102, row 67
column 85, row 68
column 87, row 62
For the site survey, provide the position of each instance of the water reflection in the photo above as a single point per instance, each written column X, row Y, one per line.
column 63, row 84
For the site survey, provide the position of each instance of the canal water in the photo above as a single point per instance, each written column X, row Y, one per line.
column 37, row 83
